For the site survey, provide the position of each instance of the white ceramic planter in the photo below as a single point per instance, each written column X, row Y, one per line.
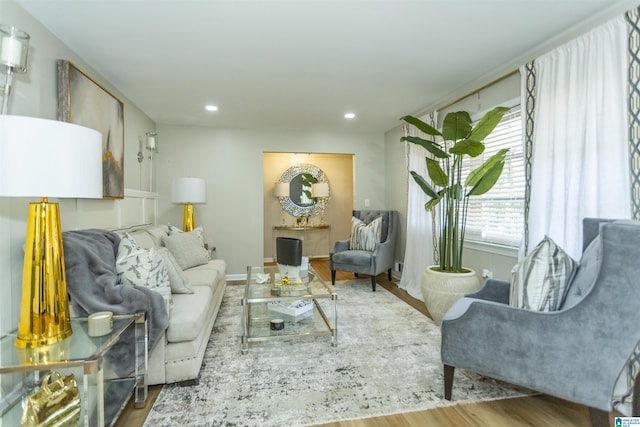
column 440, row 290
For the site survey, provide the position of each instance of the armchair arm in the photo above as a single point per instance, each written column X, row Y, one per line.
column 341, row 245
column 493, row 290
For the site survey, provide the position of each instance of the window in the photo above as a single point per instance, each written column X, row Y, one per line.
column 497, row 217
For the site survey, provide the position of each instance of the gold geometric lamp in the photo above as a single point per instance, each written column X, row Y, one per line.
column 46, row 158
column 188, row 190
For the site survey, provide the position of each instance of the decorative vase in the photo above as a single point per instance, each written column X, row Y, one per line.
column 441, row 289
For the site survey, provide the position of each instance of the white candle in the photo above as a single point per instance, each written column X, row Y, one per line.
column 11, row 51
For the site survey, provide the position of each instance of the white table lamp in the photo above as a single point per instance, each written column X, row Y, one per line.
column 188, row 191
column 46, row 158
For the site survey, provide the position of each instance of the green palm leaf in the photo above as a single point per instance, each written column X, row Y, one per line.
column 456, row 126
column 430, row 146
column 429, row 130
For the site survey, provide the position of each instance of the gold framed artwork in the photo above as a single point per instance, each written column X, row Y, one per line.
column 84, row 102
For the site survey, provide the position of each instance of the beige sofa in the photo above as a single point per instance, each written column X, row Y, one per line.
column 177, row 357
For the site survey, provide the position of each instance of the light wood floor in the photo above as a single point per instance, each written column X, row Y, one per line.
column 540, row 410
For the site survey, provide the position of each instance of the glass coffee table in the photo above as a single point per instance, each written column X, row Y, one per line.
column 273, row 311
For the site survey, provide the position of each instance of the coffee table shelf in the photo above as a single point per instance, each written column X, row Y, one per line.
column 257, row 316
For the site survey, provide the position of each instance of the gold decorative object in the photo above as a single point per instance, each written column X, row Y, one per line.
column 188, row 221
column 44, row 310
column 56, row 403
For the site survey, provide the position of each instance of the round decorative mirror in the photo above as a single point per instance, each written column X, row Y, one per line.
column 301, row 201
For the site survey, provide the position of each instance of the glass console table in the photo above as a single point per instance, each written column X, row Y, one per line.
column 262, row 289
column 107, row 369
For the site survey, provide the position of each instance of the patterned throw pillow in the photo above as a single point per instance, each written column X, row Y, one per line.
column 539, row 282
column 365, row 236
column 142, row 267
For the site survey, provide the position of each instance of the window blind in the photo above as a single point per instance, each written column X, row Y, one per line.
column 497, row 217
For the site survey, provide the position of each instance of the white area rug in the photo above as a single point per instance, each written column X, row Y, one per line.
column 387, row 361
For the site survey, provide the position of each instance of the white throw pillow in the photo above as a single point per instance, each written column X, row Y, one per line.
column 179, row 282
column 540, row 280
column 136, row 265
column 365, row 236
column 187, row 249
column 198, row 231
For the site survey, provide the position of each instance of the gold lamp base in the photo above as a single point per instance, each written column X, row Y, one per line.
column 44, row 310
column 188, row 223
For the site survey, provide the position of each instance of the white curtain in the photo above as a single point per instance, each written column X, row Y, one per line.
column 419, row 241
column 580, row 142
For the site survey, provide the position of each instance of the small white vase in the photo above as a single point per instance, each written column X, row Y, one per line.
column 441, row 289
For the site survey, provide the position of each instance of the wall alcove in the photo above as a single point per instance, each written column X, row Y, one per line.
column 337, row 170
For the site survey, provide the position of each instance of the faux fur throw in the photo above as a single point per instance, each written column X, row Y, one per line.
column 92, row 284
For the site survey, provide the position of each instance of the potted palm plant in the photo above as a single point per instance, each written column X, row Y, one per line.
column 451, row 190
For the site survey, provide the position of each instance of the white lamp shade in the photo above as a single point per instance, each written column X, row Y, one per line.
column 188, row 190
column 49, row 158
column 281, row 189
column 321, row 189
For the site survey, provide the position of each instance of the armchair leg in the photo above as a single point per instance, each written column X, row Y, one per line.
column 389, row 274
column 373, row 283
column 599, row 418
column 333, row 277
column 448, row 381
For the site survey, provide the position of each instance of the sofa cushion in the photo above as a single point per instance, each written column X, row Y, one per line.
column 139, row 266
column 187, row 249
column 585, row 275
column 202, row 276
column 189, row 314
column 365, row 236
column 179, row 282
column 157, row 232
column 540, row 280
column 142, row 238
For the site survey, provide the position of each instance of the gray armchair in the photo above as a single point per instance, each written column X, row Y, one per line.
column 381, row 259
column 576, row 353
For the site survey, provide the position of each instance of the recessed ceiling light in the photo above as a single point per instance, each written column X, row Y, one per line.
column 211, row 108
column 349, row 115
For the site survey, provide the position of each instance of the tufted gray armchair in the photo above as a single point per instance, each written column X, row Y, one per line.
column 381, row 259
column 586, row 352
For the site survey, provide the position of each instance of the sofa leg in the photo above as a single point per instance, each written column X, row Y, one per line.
column 448, row 381
column 189, row 383
column 333, row 277
column 373, row 283
column 599, row 418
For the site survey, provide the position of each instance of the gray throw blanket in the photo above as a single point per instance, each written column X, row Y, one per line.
column 92, row 284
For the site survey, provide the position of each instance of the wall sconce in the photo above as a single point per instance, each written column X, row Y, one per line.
column 28, row 146
column 188, row 191
column 14, row 47
column 150, row 142
column 281, row 190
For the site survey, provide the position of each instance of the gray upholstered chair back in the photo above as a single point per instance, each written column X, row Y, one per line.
column 387, row 221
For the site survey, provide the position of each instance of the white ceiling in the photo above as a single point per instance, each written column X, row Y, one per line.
column 301, row 64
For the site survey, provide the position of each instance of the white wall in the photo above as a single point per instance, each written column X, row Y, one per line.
column 231, row 163
column 35, row 95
